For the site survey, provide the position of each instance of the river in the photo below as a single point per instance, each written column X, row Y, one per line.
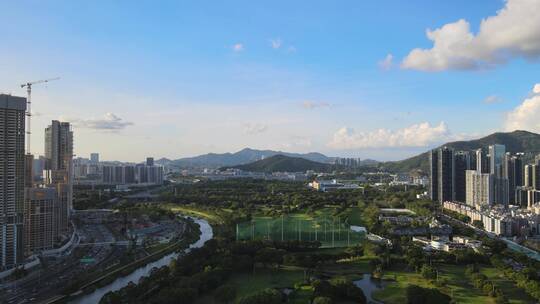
column 369, row 286
column 96, row 295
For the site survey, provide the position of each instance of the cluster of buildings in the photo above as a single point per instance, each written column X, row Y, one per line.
column 332, row 185
column 91, row 171
column 348, row 162
column 34, row 215
column 444, row 244
column 407, row 179
column 231, row 173
column 491, row 186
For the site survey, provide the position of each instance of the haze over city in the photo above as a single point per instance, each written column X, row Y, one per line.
column 382, row 79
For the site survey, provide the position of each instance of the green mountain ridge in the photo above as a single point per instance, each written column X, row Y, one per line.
column 516, row 141
column 282, row 163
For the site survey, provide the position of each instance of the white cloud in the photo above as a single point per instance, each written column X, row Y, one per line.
column 513, row 32
column 417, row 135
column 536, row 88
column 275, row 43
column 238, row 47
column 491, row 99
column 255, row 128
column 297, row 142
column 387, row 63
column 310, row 105
column 525, row 116
column 109, row 122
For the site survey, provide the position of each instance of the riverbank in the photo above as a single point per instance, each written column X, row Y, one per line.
column 87, row 285
column 205, row 234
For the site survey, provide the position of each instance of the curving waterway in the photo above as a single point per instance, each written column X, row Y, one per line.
column 136, row 275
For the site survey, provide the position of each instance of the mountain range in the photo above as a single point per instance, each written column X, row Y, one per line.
column 282, row 163
column 245, row 156
column 516, row 141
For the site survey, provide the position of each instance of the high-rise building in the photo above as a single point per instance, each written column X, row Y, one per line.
column 140, row 174
column 38, row 167
column 149, row 161
column 29, row 170
column 513, row 171
column 463, row 162
column 94, row 158
column 59, row 168
column 446, row 172
column 529, row 176
column 129, row 175
column 40, row 229
column 479, row 188
column 501, row 190
column 12, row 180
column 496, row 159
column 482, row 162
column 434, row 175
column 58, row 146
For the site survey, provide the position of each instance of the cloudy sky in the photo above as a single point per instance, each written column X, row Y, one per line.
column 378, row 79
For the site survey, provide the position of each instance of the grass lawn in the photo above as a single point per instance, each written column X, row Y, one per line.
column 354, row 268
column 263, row 278
column 196, row 212
column 354, row 214
column 514, row 294
column 458, row 286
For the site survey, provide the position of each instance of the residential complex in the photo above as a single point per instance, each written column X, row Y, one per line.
column 500, row 192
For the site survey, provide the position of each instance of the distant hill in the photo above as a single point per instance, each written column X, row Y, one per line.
column 517, row 141
column 215, row 160
column 282, row 163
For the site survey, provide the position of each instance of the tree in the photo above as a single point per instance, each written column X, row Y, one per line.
column 428, row 272
column 418, row 295
column 322, row 300
column 265, row 296
column 478, row 224
column 225, row 293
column 270, row 256
column 370, row 216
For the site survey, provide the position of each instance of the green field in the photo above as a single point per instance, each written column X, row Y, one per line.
column 458, row 286
column 331, row 231
column 247, row 283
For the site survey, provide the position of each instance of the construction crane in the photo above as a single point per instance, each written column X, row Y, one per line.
column 28, row 86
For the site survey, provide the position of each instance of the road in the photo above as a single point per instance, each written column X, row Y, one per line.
column 47, row 280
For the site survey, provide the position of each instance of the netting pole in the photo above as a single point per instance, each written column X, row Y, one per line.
column 339, row 229
column 282, row 227
column 300, row 230
column 325, row 228
column 237, row 232
column 333, row 231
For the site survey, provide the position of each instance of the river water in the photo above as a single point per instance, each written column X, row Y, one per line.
column 96, row 295
column 369, row 286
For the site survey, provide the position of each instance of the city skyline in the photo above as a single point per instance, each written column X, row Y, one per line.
column 281, row 77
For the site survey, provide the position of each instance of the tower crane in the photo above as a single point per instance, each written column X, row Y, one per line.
column 28, row 86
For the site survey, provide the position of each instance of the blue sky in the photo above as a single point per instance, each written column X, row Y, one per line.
column 179, row 78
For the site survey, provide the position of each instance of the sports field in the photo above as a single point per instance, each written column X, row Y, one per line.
column 330, row 231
